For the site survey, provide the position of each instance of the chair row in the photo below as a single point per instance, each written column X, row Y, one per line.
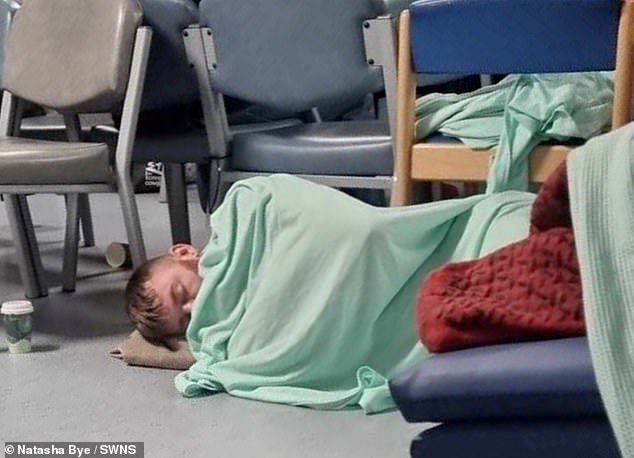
column 93, row 75
column 155, row 100
column 307, row 69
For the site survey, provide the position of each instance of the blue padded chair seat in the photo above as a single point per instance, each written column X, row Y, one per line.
column 552, row 438
column 361, row 148
column 526, row 380
column 174, row 147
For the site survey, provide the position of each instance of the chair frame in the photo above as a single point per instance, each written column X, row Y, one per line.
column 29, row 261
column 380, row 45
column 456, row 162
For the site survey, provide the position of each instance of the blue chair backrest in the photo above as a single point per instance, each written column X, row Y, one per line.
column 169, row 80
column 292, row 55
column 513, row 36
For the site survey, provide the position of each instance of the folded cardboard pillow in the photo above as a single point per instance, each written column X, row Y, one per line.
column 529, row 290
column 136, row 350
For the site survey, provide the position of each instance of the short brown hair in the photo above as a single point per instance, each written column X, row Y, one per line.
column 141, row 302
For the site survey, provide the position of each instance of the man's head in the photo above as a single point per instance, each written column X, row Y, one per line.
column 160, row 293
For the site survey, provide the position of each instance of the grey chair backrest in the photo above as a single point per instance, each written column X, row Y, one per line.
column 292, row 55
column 91, row 73
column 395, row 7
column 169, row 80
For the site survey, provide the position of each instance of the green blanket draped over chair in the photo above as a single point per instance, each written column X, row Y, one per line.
column 516, row 115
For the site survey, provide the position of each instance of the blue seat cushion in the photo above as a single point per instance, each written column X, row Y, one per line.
column 362, row 148
column 173, row 146
column 437, row 137
column 551, row 438
column 525, row 380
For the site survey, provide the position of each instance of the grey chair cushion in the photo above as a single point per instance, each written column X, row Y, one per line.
column 71, row 55
column 260, row 126
column 33, row 162
column 361, row 148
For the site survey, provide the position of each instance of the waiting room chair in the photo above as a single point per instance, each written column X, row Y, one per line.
column 528, row 399
column 524, row 37
column 167, row 130
column 74, row 56
column 40, row 126
column 316, row 58
column 170, row 128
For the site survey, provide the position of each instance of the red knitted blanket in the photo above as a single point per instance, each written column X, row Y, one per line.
column 529, row 290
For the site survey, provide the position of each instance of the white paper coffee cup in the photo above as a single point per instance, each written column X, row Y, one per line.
column 17, row 316
column 118, row 255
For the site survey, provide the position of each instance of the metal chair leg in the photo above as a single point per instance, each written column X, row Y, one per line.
column 176, row 191
column 28, row 255
column 163, row 198
column 218, row 187
column 71, row 243
column 203, row 175
column 131, row 219
column 85, row 217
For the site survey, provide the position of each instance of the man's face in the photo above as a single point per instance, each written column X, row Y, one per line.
column 176, row 284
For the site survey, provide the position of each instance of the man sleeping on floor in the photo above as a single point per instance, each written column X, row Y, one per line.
column 304, row 295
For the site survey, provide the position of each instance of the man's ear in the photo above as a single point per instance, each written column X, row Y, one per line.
column 183, row 252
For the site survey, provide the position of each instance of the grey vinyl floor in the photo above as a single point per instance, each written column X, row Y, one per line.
column 69, row 389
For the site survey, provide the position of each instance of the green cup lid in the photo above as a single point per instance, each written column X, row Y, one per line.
column 16, row 308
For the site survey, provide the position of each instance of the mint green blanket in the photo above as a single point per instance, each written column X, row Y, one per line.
column 307, row 295
column 601, row 183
